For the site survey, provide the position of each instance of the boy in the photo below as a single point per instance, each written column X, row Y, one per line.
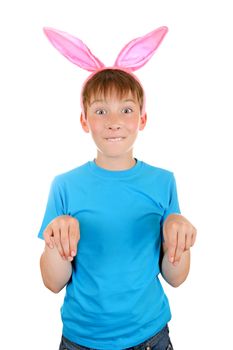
column 111, row 226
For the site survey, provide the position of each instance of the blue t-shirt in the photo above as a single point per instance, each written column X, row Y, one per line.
column 114, row 299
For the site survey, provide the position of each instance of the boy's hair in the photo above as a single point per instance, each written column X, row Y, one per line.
column 111, row 80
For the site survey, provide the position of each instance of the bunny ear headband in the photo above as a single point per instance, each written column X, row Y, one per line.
column 133, row 56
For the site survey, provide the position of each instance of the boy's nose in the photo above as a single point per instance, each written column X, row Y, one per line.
column 114, row 126
column 113, row 123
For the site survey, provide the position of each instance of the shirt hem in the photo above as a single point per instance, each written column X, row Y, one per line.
column 106, row 346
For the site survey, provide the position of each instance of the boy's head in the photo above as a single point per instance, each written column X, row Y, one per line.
column 113, row 103
column 112, row 99
column 112, row 81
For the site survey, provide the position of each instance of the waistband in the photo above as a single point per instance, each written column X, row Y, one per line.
column 146, row 345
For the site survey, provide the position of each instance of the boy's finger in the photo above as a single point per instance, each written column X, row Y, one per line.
column 48, row 233
column 193, row 237
column 180, row 245
column 188, row 242
column 65, row 240
column 57, row 239
column 74, row 236
column 172, row 243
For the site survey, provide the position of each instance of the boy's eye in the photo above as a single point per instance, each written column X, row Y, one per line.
column 127, row 110
column 100, row 111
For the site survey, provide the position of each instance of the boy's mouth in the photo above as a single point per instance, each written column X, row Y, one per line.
column 115, row 139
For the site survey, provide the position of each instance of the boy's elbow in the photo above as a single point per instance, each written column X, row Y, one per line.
column 176, row 283
column 52, row 288
column 50, row 284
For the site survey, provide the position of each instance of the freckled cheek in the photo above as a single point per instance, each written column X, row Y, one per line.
column 132, row 126
column 96, row 128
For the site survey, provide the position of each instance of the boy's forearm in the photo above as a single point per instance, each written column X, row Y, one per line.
column 176, row 275
column 55, row 271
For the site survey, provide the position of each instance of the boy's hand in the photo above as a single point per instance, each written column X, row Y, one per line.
column 179, row 235
column 63, row 232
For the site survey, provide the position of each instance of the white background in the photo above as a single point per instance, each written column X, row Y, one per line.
column 188, row 85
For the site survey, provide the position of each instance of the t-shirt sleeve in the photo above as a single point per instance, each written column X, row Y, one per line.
column 172, row 201
column 54, row 207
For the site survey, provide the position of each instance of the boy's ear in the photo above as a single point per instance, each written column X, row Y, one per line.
column 143, row 120
column 83, row 122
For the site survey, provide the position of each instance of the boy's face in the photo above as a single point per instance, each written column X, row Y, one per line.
column 114, row 124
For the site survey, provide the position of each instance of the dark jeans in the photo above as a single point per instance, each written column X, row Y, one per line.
column 160, row 341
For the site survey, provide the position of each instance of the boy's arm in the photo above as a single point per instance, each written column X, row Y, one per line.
column 55, row 271
column 179, row 236
column 61, row 238
column 175, row 275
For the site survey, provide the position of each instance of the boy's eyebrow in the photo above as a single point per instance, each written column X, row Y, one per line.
column 96, row 101
column 127, row 100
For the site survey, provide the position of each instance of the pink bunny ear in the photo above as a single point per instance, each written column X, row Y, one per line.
column 73, row 49
column 138, row 51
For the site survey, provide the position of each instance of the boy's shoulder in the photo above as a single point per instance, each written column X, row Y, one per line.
column 158, row 170
column 73, row 172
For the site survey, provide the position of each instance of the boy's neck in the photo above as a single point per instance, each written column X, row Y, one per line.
column 115, row 163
